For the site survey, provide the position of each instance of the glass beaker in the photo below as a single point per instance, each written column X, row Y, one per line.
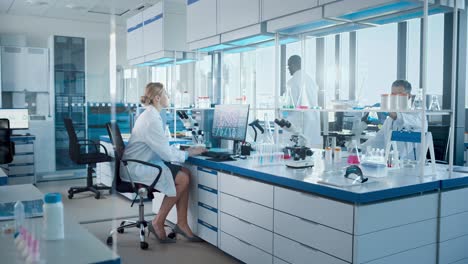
column 435, row 103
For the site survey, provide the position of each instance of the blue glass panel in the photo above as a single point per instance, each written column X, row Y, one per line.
column 215, row 47
column 341, row 29
column 162, row 60
column 408, row 16
column 381, row 10
column 251, row 40
column 308, row 27
column 144, row 64
column 282, row 42
column 238, row 50
column 183, row 61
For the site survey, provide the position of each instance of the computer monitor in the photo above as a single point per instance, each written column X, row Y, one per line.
column 19, row 118
column 230, row 122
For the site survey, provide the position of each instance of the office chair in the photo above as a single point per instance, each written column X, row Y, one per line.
column 7, row 147
column 79, row 156
column 142, row 191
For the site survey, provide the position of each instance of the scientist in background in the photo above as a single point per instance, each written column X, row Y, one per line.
column 304, row 92
column 148, row 142
column 396, row 122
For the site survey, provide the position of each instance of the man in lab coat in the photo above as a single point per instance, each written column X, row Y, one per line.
column 304, row 92
column 399, row 121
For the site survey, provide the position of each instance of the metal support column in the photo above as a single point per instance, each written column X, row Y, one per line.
column 402, row 50
column 461, row 88
column 352, row 65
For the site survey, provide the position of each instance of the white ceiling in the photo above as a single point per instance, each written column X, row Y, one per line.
column 83, row 10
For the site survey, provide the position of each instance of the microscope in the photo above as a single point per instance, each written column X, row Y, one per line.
column 300, row 153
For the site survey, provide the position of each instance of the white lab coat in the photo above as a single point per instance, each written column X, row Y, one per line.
column 404, row 121
column 304, row 92
column 148, row 142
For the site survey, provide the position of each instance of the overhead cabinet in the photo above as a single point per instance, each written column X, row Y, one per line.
column 25, row 69
column 157, row 30
column 277, row 8
column 201, row 19
column 233, row 15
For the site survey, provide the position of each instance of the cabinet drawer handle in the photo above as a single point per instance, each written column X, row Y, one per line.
column 247, row 201
column 308, row 221
column 242, row 241
column 207, row 206
column 308, row 247
column 243, row 221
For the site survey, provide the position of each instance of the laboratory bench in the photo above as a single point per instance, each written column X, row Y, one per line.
column 78, row 246
column 274, row 214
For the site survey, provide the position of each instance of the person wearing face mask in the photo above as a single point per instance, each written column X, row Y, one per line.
column 148, row 142
column 396, row 122
column 304, row 92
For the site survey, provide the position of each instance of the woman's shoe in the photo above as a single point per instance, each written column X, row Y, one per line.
column 189, row 238
column 162, row 241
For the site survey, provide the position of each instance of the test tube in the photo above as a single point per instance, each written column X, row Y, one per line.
column 328, row 155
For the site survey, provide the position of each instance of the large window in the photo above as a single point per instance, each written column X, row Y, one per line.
column 376, row 62
column 435, row 51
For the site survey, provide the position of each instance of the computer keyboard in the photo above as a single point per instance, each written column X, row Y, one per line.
column 218, row 156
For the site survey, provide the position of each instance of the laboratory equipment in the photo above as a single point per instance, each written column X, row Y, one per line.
column 53, row 216
column 434, row 103
column 354, row 172
column 402, row 101
column 301, row 155
column 19, row 214
column 18, row 118
column 256, row 124
column 230, row 122
column 394, row 101
column 418, row 100
column 203, row 118
column 353, row 157
column 384, row 101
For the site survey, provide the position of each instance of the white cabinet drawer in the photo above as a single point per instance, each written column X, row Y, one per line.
column 328, row 240
column 384, row 215
column 450, row 202
column 394, row 240
column 208, row 177
column 453, row 250
column 208, row 214
column 208, row 233
column 295, row 252
column 20, row 170
column 279, row 261
column 24, row 148
column 208, row 196
column 426, row 255
column 22, row 159
column 247, row 232
column 251, row 212
column 244, row 188
column 243, row 251
column 453, row 226
column 315, row 208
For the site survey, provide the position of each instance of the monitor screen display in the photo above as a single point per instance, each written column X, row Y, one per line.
column 230, row 122
column 19, row 118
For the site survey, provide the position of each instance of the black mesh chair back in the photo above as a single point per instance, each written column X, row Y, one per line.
column 6, row 146
column 119, row 148
column 73, row 144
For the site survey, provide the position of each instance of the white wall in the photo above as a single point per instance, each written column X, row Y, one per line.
column 39, row 29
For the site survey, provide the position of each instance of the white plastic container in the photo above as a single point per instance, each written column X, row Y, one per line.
column 53, row 217
column 19, row 215
column 374, row 169
column 403, row 102
column 393, row 102
column 384, row 101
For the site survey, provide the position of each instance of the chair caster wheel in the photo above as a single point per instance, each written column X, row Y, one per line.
column 70, row 191
column 120, row 230
column 172, row 235
column 70, row 195
column 109, row 241
column 98, row 195
column 143, row 245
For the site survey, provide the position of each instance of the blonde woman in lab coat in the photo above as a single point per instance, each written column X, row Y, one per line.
column 148, row 142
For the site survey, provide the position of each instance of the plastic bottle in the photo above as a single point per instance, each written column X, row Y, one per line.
column 19, row 215
column 185, row 99
column 53, row 217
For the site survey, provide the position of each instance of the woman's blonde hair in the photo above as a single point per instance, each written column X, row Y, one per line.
column 152, row 89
